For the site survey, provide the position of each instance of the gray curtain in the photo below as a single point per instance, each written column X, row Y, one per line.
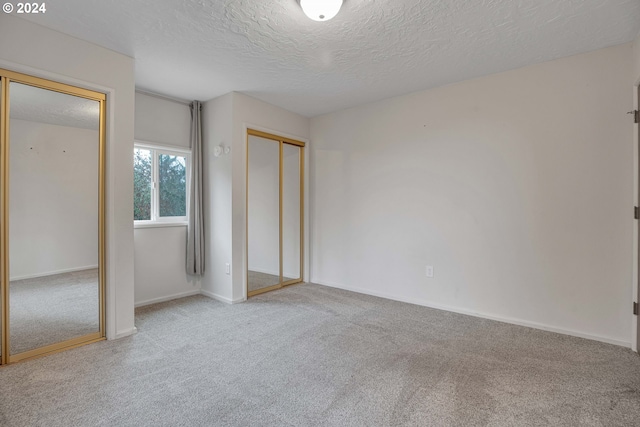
column 195, row 232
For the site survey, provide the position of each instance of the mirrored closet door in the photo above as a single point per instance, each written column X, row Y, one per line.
column 52, row 216
column 275, row 169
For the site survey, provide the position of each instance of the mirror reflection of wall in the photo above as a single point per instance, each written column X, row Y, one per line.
column 263, row 220
column 53, row 217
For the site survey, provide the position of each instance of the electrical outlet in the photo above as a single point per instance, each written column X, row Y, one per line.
column 227, row 268
column 429, row 271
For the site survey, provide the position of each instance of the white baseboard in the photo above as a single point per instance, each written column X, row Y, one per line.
column 503, row 319
column 126, row 333
column 221, row 298
column 167, row 298
column 264, row 271
column 53, row 273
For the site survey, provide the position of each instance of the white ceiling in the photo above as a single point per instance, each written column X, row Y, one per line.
column 46, row 106
column 373, row 49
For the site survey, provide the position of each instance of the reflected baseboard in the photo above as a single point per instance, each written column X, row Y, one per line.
column 275, row 273
column 53, row 273
column 265, row 271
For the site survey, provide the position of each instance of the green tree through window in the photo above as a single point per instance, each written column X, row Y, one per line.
column 172, row 177
column 141, row 184
column 159, row 184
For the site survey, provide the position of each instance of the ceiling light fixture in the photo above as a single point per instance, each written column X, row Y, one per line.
column 321, row 10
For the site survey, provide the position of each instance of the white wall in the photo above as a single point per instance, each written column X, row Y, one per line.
column 30, row 48
column 160, row 271
column 162, row 121
column 516, row 187
column 216, row 130
column 53, row 199
column 636, row 60
column 160, row 252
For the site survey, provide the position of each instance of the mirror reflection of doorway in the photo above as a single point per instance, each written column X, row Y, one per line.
column 274, row 212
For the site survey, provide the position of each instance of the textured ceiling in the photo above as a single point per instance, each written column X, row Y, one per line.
column 46, row 106
column 373, row 49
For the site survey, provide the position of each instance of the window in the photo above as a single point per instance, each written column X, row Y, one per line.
column 160, row 184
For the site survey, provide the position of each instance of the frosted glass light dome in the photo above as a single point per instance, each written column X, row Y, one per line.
column 321, row 10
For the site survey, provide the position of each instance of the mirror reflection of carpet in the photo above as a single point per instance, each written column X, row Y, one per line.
column 51, row 309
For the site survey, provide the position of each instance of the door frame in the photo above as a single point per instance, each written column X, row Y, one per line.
column 8, row 76
column 635, row 339
column 281, row 140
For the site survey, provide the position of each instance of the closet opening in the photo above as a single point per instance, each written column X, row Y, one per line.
column 275, row 212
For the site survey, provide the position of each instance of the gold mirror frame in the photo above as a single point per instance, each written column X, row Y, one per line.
column 7, row 77
column 281, row 141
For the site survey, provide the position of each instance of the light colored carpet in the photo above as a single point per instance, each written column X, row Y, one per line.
column 51, row 309
column 257, row 280
column 309, row 355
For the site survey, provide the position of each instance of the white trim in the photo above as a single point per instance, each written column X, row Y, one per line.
column 159, row 145
column 248, row 126
column 111, row 224
column 164, row 97
column 503, row 319
column 52, row 273
column 125, row 333
column 156, row 224
column 306, row 262
column 221, row 298
column 167, row 298
column 50, row 75
column 157, row 150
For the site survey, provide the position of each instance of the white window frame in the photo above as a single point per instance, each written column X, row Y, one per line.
column 157, row 149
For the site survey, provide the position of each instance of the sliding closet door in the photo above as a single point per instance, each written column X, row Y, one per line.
column 291, row 213
column 274, row 211
column 4, row 175
column 263, row 214
column 53, row 276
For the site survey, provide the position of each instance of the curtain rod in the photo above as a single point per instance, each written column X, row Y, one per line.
column 164, row 97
